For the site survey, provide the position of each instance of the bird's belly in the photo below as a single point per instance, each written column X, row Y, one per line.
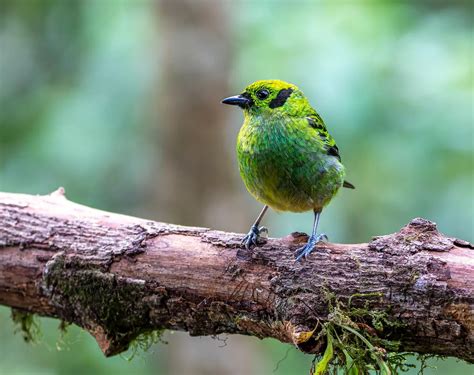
column 288, row 181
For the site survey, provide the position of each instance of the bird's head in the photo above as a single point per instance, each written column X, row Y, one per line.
column 270, row 97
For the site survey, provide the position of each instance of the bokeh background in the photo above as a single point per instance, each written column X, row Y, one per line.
column 119, row 102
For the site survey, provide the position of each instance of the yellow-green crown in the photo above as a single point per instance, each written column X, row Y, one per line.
column 271, row 93
column 272, row 84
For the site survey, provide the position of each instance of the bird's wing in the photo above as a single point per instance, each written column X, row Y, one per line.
column 317, row 123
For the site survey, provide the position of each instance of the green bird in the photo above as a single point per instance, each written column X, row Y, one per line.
column 287, row 159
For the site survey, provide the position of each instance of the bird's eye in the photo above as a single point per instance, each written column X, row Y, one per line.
column 262, row 94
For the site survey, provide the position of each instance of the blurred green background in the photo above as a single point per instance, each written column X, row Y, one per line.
column 119, row 102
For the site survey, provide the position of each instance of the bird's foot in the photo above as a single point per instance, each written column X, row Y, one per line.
column 254, row 237
column 309, row 247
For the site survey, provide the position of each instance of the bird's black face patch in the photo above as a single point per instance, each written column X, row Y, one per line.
column 250, row 103
column 281, row 98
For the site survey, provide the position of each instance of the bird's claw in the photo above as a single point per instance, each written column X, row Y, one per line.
column 254, row 237
column 309, row 247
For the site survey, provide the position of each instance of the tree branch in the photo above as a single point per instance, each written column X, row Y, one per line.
column 118, row 276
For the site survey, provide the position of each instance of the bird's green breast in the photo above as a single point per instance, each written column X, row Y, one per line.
column 283, row 163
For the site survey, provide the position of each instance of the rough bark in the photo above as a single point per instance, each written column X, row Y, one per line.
column 118, row 276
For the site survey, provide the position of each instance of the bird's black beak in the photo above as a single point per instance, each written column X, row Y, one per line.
column 239, row 100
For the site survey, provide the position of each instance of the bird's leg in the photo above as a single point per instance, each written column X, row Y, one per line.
column 313, row 239
column 253, row 235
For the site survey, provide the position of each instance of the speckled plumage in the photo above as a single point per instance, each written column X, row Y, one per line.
column 287, row 159
column 283, row 152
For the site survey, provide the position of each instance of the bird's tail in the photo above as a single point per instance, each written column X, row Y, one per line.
column 348, row 185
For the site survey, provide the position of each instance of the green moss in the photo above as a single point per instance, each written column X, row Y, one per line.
column 96, row 298
column 61, row 343
column 353, row 346
column 143, row 342
column 26, row 324
column 424, row 358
